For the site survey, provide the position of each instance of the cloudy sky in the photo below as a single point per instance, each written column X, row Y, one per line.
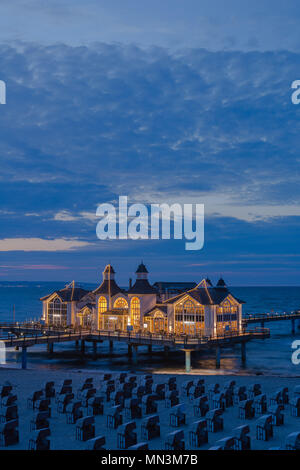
column 161, row 101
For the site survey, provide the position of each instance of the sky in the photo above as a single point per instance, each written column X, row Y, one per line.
column 164, row 102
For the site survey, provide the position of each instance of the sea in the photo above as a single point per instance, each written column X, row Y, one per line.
column 271, row 356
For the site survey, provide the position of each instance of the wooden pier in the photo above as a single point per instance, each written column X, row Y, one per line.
column 26, row 335
column 272, row 317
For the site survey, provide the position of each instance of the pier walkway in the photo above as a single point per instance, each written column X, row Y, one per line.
column 24, row 335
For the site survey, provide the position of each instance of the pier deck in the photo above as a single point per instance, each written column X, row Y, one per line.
column 26, row 335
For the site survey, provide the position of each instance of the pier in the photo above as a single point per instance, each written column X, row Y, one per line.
column 272, row 317
column 25, row 336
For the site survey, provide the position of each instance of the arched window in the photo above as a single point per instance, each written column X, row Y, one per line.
column 57, row 312
column 188, row 307
column 120, row 303
column 135, row 312
column 102, row 304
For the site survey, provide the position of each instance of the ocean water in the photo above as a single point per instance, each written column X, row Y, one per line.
column 268, row 357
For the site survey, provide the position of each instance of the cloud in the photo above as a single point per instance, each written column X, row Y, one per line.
column 39, row 244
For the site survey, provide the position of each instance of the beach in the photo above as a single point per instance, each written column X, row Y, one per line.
column 25, row 382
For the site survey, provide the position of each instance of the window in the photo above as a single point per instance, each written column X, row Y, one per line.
column 189, row 318
column 57, row 312
column 120, row 303
column 135, row 312
column 102, row 304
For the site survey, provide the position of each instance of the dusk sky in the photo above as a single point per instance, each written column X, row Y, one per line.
column 162, row 101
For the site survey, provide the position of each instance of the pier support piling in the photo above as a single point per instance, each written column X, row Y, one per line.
column 150, row 349
column 50, row 348
column 218, row 357
column 76, row 344
column 243, row 353
column 293, row 326
column 111, row 345
column 187, row 360
column 166, row 351
column 24, row 357
column 129, row 350
column 82, row 346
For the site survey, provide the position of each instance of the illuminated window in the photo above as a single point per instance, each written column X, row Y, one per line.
column 102, row 304
column 57, row 312
column 135, row 311
column 120, row 303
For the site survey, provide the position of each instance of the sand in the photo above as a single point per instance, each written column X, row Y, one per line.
column 63, row 435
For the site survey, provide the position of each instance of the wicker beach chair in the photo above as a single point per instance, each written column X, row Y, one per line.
column 40, row 440
column 198, row 434
column 264, row 428
column 97, row 443
column 126, row 436
column 175, row 440
column 201, row 406
column 242, row 439
column 150, row 428
column 85, row 428
column 114, row 418
column 215, row 421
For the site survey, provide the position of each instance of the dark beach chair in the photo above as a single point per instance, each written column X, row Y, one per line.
column 149, row 405
column 277, row 415
column 37, row 395
column 227, row 443
column 264, row 428
column 160, row 391
column 95, row 406
column 85, row 386
column 10, row 413
column 40, row 421
column 73, row 412
column 49, row 390
column 241, row 438
column 97, row 443
column 150, row 428
column 198, row 434
column 246, row 409
column 218, row 401
column 114, row 419
column 175, row 440
column 9, row 400
column 171, row 398
column 215, row 421
column 40, row 440
column 86, row 394
column 127, row 436
column 292, row 441
column 212, row 390
column 201, row 406
column 177, row 416
column 132, row 408
column 9, row 433
column 63, row 402
column 195, row 392
column 295, row 406
column 254, row 390
column 43, row 405
column 85, row 428
column 186, row 387
column 117, row 398
column 260, row 404
column 171, row 384
column 239, row 395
